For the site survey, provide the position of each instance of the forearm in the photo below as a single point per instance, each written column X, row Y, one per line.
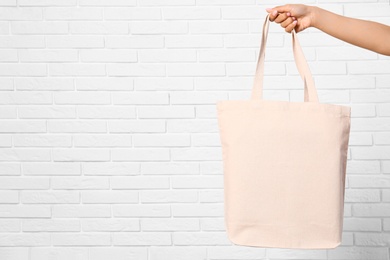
column 366, row 34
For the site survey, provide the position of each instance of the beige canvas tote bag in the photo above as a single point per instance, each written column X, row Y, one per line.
column 284, row 165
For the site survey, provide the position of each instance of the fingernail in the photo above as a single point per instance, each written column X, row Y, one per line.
column 288, row 14
column 268, row 9
column 295, row 21
column 275, row 12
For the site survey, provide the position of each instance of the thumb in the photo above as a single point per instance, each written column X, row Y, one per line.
column 280, row 9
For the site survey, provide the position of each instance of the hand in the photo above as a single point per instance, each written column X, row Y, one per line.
column 293, row 16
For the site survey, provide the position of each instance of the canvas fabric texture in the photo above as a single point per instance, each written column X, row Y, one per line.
column 284, row 165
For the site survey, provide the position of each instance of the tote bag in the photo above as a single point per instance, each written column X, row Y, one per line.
column 284, row 165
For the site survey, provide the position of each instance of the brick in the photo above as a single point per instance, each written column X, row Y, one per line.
column 158, row 27
column 200, row 238
column 370, row 96
column 108, row 56
column 137, row 126
column 162, row 55
column 73, row 13
column 138, row 69
column 362, row 224
column 192, row 126
column 132, row 13
column 197, row 182
column 109, row 197
column 291, row 254
column 211, row 195
column 50, row 197
column 177, row 111
column 187, row 13
column 142, row 239
column 168, row 196
column 79, row 211
column 110, row 225
column 23, row 211
column 8, row 56
column 25, row 98
column 197, row 210
column 32, row 83
column 16, row 70
column 362, row 110
column 372, row 181
column 30, row 240
column 213, row 224
column 372, row 152
column 165, row 3
column 111, row 168
column 26, row 14
column 169, row 224
column 51, row 225
column 52, row 169
column 196, row 154
column 218, row 27
column 15, row 253
column 358, row 253
column 142, row 210
column 140, row 182
column 9, row 225
column 20, row 183
column 361, row 195
column 47, row 3
column 345, row 81
column 8, row 197
column 80, row 154
column 141, row 98
column 226, row 252
column 107, row 83
column 54, row 112
column 62, row 253
column 178, row 252
column 193, row 41
column 370, row 124
column 195, row 98
column 371, row 209
column 383, row 109
column 80, row 183
column 92, row 27
column 76, row 126
column 140, row 154
column 39, row 27
column 161, row 140
column 62, row 69
column 367, row 10
column 25, row 154
column 118, row 253
column 74, row 41
column 188, row 69
column 171, row 168
column 83, row 239
column 134, row 42
column 368, row 67
column 363, row 167
column 102, row 140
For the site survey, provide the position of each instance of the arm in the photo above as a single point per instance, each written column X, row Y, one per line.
column 365, row 34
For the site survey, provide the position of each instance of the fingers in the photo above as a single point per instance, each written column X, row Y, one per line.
column 284, row 19
column 290, row 26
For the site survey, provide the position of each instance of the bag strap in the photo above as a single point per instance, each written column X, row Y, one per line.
column 300, row 61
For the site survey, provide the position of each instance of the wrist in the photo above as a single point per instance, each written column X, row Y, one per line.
column 314, row 14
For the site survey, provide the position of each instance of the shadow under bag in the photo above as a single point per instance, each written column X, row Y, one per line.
column 284, row 165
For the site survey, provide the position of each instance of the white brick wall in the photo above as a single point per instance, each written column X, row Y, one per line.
column 108, row 130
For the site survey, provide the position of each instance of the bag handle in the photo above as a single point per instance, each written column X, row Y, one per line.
column 300, row 61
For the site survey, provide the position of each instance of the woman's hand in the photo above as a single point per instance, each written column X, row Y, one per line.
column 292, row 16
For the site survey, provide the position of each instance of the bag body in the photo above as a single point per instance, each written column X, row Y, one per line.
column 284, row 165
